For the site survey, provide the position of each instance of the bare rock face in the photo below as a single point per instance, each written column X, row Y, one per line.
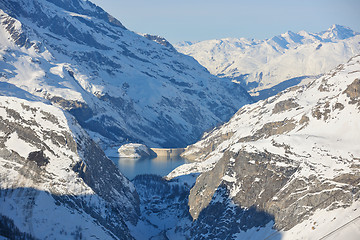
column 284, row 105
column 254, row 181
column 38, row 157
column 222, row 218
column 353, row 92
column 253, row 170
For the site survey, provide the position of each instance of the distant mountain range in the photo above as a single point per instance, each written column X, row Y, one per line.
column 266, row 67
column 120, row 86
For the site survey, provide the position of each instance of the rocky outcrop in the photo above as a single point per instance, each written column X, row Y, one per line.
column 353, row 92
column 38, row 157
column 222, row 218
column 160, row 40
column 284, row 105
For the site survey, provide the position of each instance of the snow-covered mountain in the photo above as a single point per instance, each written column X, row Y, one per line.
column 284, row 168
column 287, row 167
column 266, row 67
column 290, row 163
column 55, row 182
column 120, row 86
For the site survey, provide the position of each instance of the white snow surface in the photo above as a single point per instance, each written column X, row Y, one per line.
column 133, row 150
column 324, row 224
column 262, row 64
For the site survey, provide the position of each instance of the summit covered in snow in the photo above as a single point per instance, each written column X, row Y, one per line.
column 266, row 67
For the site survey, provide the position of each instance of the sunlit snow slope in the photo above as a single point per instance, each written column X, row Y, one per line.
column 294, row 156
column 266, row 67
column 120, row 86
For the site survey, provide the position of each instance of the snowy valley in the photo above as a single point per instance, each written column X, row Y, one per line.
column 76, row 84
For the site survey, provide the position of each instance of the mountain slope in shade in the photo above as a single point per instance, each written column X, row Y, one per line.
column 55, row 182
column 294, row 156
column 119, row 85
column 259, row 65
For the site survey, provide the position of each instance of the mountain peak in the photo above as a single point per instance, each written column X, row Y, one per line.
column 339, row 32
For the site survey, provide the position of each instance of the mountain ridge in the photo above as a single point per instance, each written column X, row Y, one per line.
column 292, row 156
column 259, row 65
column 119, row 85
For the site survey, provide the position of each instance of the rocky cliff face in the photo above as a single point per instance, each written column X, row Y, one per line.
column 120, row 86
column 291, row 157
column 55, row 182
column 266, row 67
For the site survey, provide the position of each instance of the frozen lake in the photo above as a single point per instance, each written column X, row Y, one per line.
column 160, row 165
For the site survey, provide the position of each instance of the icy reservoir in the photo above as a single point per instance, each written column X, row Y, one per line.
column 161, row 165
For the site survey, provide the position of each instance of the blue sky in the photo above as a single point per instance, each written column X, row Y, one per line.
column 196, row 20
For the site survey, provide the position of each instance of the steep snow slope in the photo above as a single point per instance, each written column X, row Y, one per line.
column 294, row 156
column 119, row 85
column 55, row 182
column 276, row 63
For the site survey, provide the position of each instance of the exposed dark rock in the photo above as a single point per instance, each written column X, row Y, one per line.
column 270, row 129
column 221, row 219
column 353, row 92
column 39, row 158
column 165, row 201
column 284, row 106
column 260, row 181
column 304, row 120
column 19, row 37
column 322, row 111
column 339, row 106
column 160, row 40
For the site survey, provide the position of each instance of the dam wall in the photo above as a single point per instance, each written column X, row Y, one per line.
column 168, row 152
